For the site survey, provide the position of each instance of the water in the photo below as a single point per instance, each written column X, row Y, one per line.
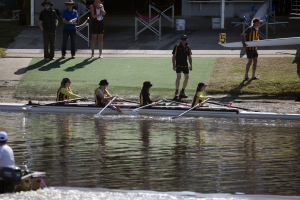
column 200, row 155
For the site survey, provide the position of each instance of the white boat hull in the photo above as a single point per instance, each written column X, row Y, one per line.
column 265, row 43
column 160, row 111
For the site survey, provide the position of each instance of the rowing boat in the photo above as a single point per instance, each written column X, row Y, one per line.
column 158, row 110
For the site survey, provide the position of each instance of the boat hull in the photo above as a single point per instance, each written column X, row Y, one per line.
column 154, row 111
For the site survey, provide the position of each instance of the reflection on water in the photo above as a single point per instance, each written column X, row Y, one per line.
column 143, row 153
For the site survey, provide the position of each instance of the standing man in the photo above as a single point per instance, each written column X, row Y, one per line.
column 69, row 18
column 181, row 52
column 251, row 34
column 48, row 23
column 6, row 153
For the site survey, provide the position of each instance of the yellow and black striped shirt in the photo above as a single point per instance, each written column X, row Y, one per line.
column 181, row 54
column 251, row 35
column 145, row 98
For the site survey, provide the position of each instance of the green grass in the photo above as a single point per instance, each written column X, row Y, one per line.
column 277, row 76
column 125, row 75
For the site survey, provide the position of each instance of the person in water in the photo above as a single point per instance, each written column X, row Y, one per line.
column 145, row 97
column 102, row 96
column 64, row 91
column 199, row 97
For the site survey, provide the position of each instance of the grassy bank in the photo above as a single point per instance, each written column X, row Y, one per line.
column 125, row 75
column 277, row 76
column 8, row 31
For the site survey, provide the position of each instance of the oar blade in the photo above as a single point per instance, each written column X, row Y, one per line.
column 97, row 115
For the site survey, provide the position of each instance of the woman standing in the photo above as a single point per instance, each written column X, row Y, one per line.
column 97, row 12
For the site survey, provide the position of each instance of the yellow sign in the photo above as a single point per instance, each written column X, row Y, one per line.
column 222, row 37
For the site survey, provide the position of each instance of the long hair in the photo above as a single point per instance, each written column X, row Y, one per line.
column 198, row 90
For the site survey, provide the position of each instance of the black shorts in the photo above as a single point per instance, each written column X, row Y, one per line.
column 251, row 53
column 184, row 69
column 97, row 27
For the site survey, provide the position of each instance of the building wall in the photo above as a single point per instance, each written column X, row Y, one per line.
column 57, row 4
column 214, row 9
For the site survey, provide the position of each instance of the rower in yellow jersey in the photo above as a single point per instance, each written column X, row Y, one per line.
column 199, row 97
column 102, row 96
column 64, row 91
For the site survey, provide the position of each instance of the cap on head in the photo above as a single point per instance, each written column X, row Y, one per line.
column 147, row 84
column 65, row 80
column 103, row 82
column 47, row 2
column 3, row 136
column 184, row 37
column 200, row 85
column 257, row 20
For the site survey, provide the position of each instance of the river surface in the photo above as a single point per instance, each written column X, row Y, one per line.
column 199, row 155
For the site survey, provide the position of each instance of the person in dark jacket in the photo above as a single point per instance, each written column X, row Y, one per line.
column 48, row 23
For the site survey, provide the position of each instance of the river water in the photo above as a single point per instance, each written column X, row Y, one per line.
column 127, row 154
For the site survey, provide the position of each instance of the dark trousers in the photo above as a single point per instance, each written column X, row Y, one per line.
column 66, row 33
column 49, row 37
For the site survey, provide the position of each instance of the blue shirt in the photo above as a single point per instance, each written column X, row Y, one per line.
column 68, row 16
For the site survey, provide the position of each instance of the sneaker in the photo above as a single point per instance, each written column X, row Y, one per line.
column 73, row 57
column 63, row 57
column 183, row 95
column 176, row 94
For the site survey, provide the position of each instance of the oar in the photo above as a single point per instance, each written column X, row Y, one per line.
column 130, row 101
column 199, row 104
column 99, row 114
column 154, row 103
column 230, row 106
column 184, row 104
column 46, row 104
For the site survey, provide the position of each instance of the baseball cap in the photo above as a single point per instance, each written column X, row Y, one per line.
column 3, row 136
column 257, row 20
column 184, row 38
column 200, row 85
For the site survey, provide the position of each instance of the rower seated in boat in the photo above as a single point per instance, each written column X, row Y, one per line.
column 199, row 97
column 102, row 96
column 145, row 97
column 64, row 92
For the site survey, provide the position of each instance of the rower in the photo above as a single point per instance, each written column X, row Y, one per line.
column 199, row 97
column 145, row 97
column 64, row 91
column 102, row 96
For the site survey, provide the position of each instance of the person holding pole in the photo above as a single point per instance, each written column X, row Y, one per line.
column 69, row 18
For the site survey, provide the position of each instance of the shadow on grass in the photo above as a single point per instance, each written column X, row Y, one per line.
column 80, row 65
column 237, row 90
column 56, row 64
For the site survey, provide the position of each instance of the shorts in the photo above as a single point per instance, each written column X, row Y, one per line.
column 97, row 27
column 251, row 54
column 184, row 69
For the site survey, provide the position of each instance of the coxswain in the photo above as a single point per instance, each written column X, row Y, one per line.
column 145, row 97
column 102, row 96
column 199, row 97
column 64, row 92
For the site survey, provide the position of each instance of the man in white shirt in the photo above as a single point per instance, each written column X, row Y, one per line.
column 6, row 153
